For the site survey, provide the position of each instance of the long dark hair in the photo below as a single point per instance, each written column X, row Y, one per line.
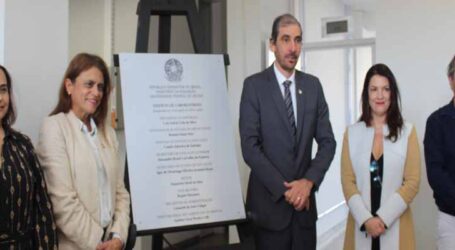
column 80, row 63
column 394, row 119
column 10, row 116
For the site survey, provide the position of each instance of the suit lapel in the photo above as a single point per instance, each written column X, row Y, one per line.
column 300, row 95
column 84, row 161
column 81, row 138
column 277, row 97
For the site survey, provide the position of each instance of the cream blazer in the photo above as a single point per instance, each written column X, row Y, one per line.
column 71, row 175
column 400, row 184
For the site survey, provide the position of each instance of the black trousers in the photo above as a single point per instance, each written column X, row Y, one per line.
column 294, row 237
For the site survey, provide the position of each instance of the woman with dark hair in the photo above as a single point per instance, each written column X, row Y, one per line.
column 79, row 154
column 26, row 220
column 380, row 168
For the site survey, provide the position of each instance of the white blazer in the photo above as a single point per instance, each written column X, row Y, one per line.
column 70, row 171
column 392, row 204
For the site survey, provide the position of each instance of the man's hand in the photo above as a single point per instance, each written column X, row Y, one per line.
column 375, row 227
column 298, row 193
column 114, row 244
column 304, row 205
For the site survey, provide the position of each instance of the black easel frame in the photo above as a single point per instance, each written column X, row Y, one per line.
column 165, row 9
column 200, row 32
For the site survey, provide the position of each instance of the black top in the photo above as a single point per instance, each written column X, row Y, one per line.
column 439, row 145
column 376, row 170
column 26, row 220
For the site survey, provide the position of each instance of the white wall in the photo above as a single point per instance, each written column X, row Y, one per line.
column 125, row 25
column 2, row 31
column 240, row 58
column 314, row 11
column 416, row 39
column 87, row 27
column 331, row 68
column 36, row 52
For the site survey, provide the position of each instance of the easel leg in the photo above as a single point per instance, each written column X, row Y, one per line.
column 157, row 241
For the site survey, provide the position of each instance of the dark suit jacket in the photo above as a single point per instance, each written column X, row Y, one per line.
column 274, row 155
column 439, row 145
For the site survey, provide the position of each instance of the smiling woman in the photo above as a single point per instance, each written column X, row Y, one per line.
column 380, row 168
column 83, row 172
column 26, row 220
column 85, row 91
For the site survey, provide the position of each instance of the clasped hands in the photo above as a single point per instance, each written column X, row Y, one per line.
column 375, row 226
column 298, row 193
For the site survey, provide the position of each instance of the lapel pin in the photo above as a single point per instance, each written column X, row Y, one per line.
column 300, row 92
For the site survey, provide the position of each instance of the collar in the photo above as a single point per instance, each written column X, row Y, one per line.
column 449, row 109
column 84, row 127
column 280, row 77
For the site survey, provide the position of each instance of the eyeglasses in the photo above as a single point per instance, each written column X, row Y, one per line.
column 374, row 169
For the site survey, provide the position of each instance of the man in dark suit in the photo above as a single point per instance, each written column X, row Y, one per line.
column 281, row 111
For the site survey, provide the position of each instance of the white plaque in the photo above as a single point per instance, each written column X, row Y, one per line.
column 179, row 140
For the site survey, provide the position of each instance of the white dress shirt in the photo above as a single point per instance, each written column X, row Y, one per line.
column 103, row 185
